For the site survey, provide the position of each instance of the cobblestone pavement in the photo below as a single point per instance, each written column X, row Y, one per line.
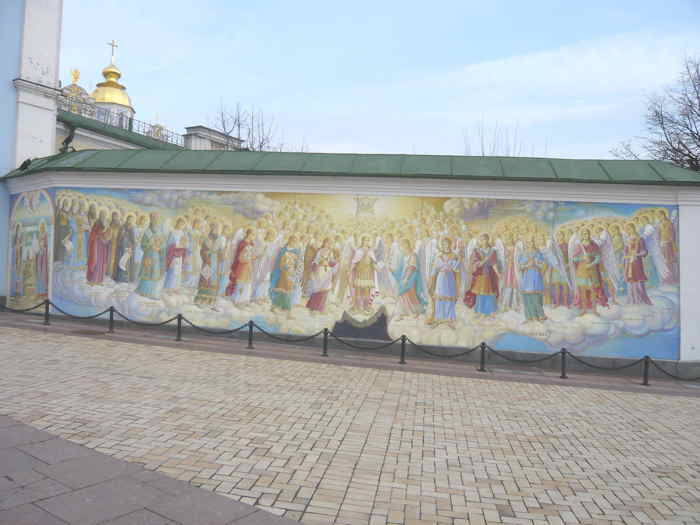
column 323, row 443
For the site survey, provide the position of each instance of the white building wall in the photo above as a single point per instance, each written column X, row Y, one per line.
column 38, row 79
column 11, row 19
column 689, row 211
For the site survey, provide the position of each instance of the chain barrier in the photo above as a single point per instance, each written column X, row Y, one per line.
column 94, row 316
column 358, row 347
column 628, row 365
column 22, row 310
column 524, row 361
column 139, row 323
column 214, row 332
column 647, row 361
column 429, row 352
column 673, row 376
column 300, row 339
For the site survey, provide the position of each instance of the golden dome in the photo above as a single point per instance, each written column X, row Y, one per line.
column 111, row 91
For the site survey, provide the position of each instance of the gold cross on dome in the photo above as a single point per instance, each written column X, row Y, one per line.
column 113, row 45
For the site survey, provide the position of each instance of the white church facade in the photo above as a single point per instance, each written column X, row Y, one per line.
column 530, row 254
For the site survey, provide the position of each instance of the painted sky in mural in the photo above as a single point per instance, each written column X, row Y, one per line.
column 599, row 279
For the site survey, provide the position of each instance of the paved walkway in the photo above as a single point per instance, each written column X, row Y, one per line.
column 325, row 443
column 46, row 480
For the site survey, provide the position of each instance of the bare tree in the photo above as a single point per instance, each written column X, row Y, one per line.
column 672, row 123
column 499, row 140
column 249, row 129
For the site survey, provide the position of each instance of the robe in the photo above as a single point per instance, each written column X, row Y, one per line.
column 589, row 279
column 561, row 293
column 208, row 285
column 98, row 253
column 635, row 277
column 42, row 264
column 445, row 284
column 532, row 284
column 363, row 279
column 240, row 279
column 482, row 295
column 152, row 264
column 321, row 279
column 62, row 229
column 174, row 255
column 411, row 299
column 126, row 244
column 285, row 273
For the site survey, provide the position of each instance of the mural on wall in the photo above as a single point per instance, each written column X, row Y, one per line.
column 31, row 245
column 599, row 279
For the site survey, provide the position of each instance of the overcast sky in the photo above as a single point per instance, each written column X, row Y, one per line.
column 394, row 76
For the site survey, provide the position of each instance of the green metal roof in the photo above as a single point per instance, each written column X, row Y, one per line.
column 131, row 137
column 366, row 165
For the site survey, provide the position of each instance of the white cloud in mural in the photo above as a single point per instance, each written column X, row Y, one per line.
column 250, row 205
column 563, row 328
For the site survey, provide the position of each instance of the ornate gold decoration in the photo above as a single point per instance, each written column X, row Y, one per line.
column 75, row 75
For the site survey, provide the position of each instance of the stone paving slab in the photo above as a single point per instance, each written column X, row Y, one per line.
column 54, row 481
column 325, row 443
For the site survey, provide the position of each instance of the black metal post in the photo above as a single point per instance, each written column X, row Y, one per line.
column 645, row 382
column 250, row 335
column 403, row 350
column 563, row 363
column 178, row 337
column 47, row 304
column 111, row 320
column 325, row 342
column 482, row 359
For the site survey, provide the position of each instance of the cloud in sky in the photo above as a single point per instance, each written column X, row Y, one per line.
column 570, row 96
column 411, row 81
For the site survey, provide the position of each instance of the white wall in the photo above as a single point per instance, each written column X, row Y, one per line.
column 11, row 17
column 690, row 278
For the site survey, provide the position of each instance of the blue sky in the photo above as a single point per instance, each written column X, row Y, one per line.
column 565, row 79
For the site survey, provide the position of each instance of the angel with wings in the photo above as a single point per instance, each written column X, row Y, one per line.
column 586, row 268
column 444, row 283
column 531, row 268
column 387, row 252
column 266, row 250
column 635, row 252
column 240, row 282
column 560, row 280
column 651, row 235
column 484, row 264
column 612, row 277
column 668, row 243
column 510, row 282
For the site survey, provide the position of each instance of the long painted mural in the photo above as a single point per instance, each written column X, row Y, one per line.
column 600, row 279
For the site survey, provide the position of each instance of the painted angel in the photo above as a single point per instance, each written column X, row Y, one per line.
column 485, row 268
column 650, row 235
column 614, row 280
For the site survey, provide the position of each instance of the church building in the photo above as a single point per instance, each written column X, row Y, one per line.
column 99, row 209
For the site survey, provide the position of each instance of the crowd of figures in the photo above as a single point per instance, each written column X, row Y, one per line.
column 299, row 257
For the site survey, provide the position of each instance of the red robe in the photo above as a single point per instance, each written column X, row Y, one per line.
column 634, row 267
column 99, row 244
column 589, row 280
column 484, row 278
column 236, row 267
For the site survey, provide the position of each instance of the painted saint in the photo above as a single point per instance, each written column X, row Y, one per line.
column 153, row 244
column 482, row 296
